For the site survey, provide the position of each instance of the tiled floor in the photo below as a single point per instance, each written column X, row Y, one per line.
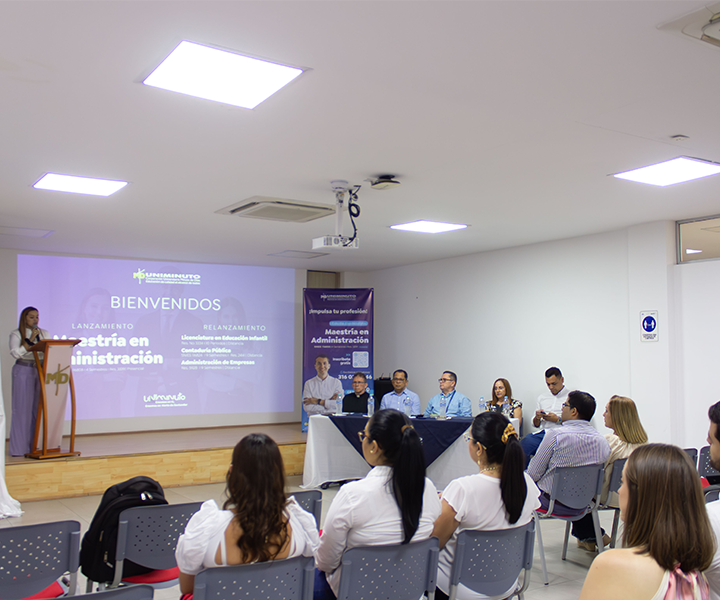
column 566, row 577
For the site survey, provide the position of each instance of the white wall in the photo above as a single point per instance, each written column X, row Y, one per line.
column 513, row 313
column 698, row 345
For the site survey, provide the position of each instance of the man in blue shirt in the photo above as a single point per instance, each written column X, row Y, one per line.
column 396, row 399
column 456, row 404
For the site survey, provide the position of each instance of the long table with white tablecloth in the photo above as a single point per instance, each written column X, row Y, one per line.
column 331, row 457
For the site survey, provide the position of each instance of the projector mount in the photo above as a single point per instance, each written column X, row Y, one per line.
column 342, row 187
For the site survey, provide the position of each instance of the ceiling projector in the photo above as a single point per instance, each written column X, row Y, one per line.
column 335, row 242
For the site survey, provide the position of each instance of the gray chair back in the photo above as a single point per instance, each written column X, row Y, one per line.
column 616, row 476
column 693, row 454
column 148, row 535
column 704, row 467
column 490, row 562
column 576, row 487
column 35, row 556
column 287, row 579
column 394, row 572
column 130, row 592
column 311, row 501
column 712, row 493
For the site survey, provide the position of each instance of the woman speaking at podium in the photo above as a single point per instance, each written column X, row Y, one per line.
column 25, row 381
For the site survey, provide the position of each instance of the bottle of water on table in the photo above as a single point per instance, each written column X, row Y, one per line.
column 338, row 407
column 506, row 407
column 482, row 407
column 443, row 407
column 407, row 405
column 370, row 406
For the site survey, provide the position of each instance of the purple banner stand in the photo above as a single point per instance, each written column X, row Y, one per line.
column 339, row 324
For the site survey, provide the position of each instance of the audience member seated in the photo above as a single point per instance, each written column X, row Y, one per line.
column 667, row 537
column 547, row 411
column 500, row 496
column 503, row 402
column 401, row 394
column 628, row 434
column 456, row 404
column 713, row 508
column 575, row 444
column 257, row 523
column 357, row 401
column 395, row 503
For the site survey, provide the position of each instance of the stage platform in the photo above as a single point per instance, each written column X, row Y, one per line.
column 175, row 458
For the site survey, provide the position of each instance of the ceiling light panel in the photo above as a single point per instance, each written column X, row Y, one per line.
column 673, row 171
column 219, row 75
column 78, row 185
column 428, row 227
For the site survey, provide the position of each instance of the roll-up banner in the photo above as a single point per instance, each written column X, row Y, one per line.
column 337, row 324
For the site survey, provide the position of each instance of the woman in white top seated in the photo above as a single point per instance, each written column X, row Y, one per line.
column 500, row 496
column 394, row 504
column 257, row 523
column 667, row 533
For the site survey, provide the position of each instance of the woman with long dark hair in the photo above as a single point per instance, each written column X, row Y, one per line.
column 668, row 540
column 257, row 523
column 501, row 400
column 25, row 381
column 394, row 504
column 500, row 496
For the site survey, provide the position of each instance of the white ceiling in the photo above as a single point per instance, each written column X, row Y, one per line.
column 505, row 115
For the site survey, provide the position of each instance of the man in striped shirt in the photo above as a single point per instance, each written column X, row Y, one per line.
column 575, row 444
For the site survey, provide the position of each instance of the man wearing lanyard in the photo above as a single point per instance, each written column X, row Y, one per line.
column 396, row 399
column 456, row 404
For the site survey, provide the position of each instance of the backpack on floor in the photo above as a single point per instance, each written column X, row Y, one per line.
column 97, row 553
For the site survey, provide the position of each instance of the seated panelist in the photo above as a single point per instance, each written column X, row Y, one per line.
column 356, row 402
column 456, row 404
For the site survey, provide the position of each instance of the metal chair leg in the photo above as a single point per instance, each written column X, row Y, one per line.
column 565, row 541
column 542, row 551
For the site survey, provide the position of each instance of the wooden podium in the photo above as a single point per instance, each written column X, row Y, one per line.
column 55, row 374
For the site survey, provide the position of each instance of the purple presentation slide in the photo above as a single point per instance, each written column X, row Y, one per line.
column 161, row 338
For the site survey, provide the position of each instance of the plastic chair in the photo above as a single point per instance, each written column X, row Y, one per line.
column 712, row 493
column 311, row 501
column 131, row 592
column 704, row 467
column 394, row 572
column 490, row 562
column 148, row 535
column 614, row 486
column 577, row 488
column 287, row 579
column 693, row 454
column 34, row 557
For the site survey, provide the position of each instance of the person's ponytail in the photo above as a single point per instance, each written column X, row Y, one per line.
column 402, row 448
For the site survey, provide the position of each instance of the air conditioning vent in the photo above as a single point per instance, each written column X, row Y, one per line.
column 278, row 209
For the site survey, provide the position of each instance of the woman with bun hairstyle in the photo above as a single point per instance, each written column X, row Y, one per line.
column 500, row 496
column 258, row 522
column 668, row 540
column 395, row 503
column 25, row 381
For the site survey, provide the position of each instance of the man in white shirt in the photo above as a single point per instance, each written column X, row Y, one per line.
column 713, row 508
column 322, row 392
column 548, row 411
column 396, row 399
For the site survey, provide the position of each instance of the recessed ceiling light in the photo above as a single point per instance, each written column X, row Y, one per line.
column 691, row 251
column 220, row 75
column 428, row 226
column 79, row 185
column 672, row 171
